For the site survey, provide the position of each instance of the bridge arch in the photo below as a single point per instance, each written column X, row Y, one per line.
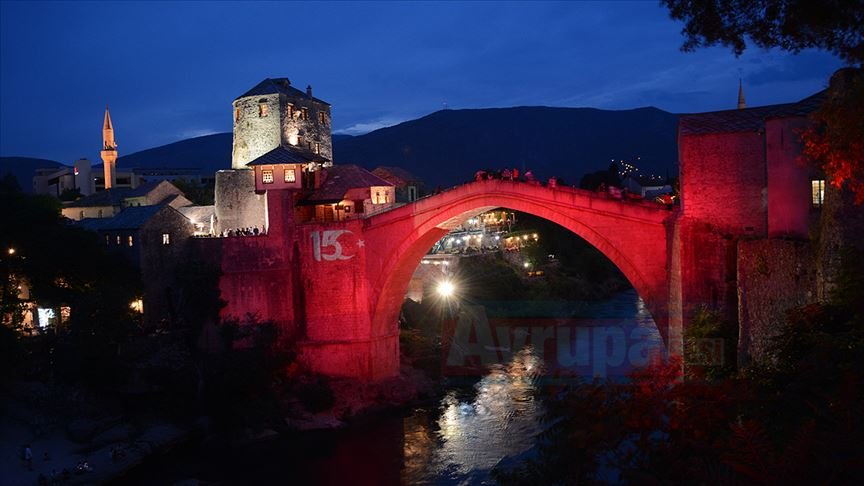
column 632, row 236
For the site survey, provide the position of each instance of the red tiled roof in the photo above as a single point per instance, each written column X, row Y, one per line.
column 746, row 120
column 339, row 179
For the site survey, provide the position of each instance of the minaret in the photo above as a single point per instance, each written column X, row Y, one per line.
column 741, row 103
column 109, row 151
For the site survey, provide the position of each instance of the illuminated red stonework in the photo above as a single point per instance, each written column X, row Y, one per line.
column 338, row 286
column 343, row 301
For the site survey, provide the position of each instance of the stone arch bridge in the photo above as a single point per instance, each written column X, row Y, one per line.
column 339, row 286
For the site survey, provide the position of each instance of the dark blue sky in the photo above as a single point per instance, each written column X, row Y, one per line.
column 171, row 70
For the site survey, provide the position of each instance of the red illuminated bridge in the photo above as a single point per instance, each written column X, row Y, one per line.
column 340, row 285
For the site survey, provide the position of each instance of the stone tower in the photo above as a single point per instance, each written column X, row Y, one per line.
column 274, row 114
column 270, row 115
column 109, row 151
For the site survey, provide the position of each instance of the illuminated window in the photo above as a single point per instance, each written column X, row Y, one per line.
column 267, row 176
column 317, row 148
column 166, row 239
column 817, row 192
column 322, row 117
column 236, row 114
column 129, row 240
column 107, row 240
column 347, row 208
column 263, row 110
column 118, row 240
column 304, row 114
column 291, row 111
column 290, row 175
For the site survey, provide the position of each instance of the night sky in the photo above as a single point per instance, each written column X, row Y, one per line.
column 170, row 70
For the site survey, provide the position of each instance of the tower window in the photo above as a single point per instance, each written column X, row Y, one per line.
column 817, row 192
column 322, row 117
column 290, row 175
column 166, row 238
column 267, row 176
column 317, row 148
column 236, row 114
column 263, row 110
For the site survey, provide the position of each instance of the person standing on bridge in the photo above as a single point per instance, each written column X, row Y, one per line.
column 515, row 174
column 507, row 175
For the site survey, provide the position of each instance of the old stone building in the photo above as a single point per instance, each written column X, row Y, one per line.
column 154, row 238
column 109, row 202
column 273, row 114
column 760, row 231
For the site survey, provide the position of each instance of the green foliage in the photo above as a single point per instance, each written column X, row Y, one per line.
column 489, row 277
column 800, row 418
column 70, row 194
column 200, row 194
column 68, row 266
column 792, row 25
column 703, row 339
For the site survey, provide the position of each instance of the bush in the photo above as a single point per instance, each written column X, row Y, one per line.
column 316, row 395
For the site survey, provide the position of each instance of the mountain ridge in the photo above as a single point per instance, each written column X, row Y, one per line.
column 447, row 146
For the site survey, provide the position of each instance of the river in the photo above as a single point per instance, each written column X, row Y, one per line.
column 480, row 421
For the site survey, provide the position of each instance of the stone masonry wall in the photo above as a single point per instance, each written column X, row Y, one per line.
column 254, row 135
column 723, row 181
column 306, row 132
column 773, row 276
column 237, row 205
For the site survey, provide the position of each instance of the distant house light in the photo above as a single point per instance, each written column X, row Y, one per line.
column 817, row 192
column 267, row 176
column 166, row 238
column 290, row 175
column 130, row 240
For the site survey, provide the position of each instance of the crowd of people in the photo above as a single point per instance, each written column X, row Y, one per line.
column 506, row 174
column 251, row 231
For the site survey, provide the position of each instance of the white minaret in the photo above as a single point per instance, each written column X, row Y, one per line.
column 109, row 151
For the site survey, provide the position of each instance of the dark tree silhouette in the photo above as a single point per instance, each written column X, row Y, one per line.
column 793, row 25
column 834, row 140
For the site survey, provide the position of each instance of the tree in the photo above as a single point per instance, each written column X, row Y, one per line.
column 834, row 141
column 793, row 25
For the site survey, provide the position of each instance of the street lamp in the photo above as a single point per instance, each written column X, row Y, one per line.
column 446, row 288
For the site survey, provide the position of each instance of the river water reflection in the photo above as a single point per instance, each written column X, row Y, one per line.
column 479, row 423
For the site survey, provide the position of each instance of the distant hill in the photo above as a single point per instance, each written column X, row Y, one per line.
column 447, row 147
column 24, row 168
column 210, row 153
